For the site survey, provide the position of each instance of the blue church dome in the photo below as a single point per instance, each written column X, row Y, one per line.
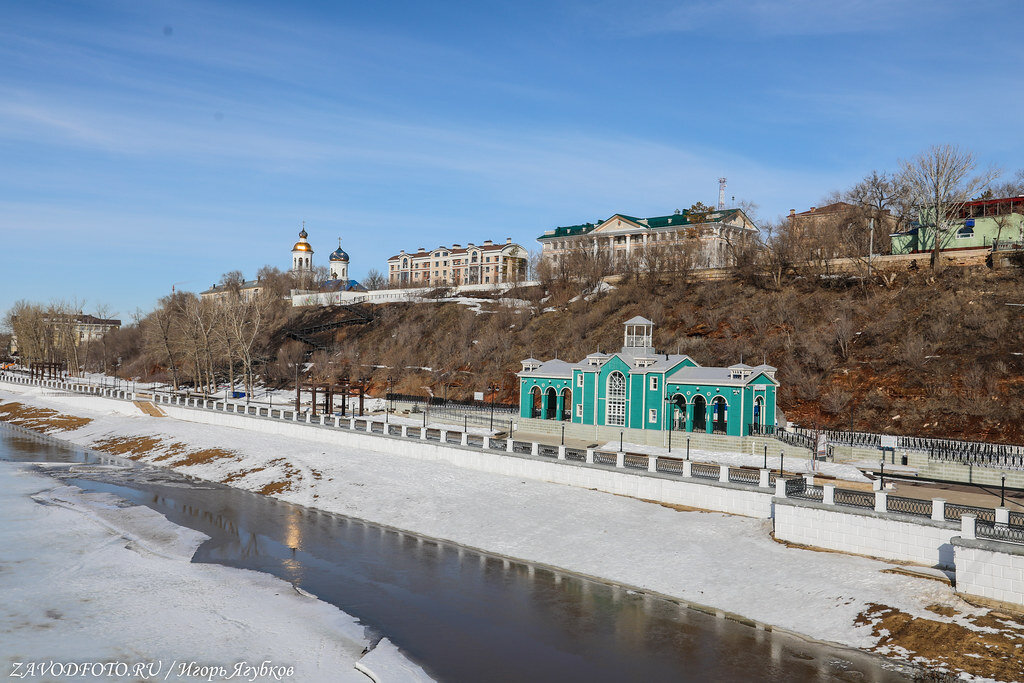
column 339, row 253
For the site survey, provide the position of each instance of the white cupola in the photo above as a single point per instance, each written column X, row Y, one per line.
column 339, row 263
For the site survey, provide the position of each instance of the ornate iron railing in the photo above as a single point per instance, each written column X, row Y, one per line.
column 954, row 511
column 744, row 476
column 909, row 506
column 521, row 447
column 670, row 465
column 473, row 440
column 851, row 498
column 498, row 444
column 604, row 458
column 453, row 437
column 395, row 430
column 414, row 432
column 577, row 454
column 636, row 462
column 433, row 434
column 547, row 451
column 702, row 471
column 378, row 427
column 1016, row 518
column 1008, row 534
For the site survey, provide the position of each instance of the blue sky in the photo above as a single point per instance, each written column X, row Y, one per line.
column 144, row 144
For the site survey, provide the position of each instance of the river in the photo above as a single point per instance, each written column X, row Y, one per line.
column 462, row 615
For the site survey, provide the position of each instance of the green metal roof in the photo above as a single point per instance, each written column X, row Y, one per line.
column 673, row 220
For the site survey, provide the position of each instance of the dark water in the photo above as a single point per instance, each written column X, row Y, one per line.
column 462, row 615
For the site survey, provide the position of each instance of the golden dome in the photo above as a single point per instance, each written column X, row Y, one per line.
column 302, row 246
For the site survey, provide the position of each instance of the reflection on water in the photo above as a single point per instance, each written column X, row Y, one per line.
column 463, row 615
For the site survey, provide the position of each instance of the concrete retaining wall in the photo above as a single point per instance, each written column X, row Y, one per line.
column 706, row 494
column 990, row 570
column 886, row 535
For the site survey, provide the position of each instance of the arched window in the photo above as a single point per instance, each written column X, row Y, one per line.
column 566, row 405
column 700, row 413
column 552, row 408
column 535, row 402
column 615, row 413
column 759, row 411
column 678, row 407
column 720, row 415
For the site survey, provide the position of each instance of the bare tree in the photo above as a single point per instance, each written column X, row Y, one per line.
column 940, row 182
column 374, row 280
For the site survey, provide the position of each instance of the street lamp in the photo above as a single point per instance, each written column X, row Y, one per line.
column 1002, row 490
column 493, row 388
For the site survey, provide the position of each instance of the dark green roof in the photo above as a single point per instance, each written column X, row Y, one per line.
column 653, row 222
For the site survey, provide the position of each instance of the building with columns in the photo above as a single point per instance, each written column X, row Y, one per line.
column 708, row 233
column 488, row 263
column 639, row 388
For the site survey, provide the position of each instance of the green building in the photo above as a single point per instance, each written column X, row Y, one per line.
column 997, row 224
column 638, row 388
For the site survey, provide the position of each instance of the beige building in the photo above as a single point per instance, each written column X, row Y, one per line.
column 710, row 232
column 487, row 263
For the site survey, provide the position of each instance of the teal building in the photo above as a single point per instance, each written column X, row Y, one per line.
column 638, row 388
column 996, row 224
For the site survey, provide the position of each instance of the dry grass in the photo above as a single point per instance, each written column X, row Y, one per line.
column 997, row 652
column 40, row 419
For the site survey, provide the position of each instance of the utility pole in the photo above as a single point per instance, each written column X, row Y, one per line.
column 871, row 246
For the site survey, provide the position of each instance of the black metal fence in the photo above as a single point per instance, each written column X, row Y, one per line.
column 1009, row 534
column 460, row 404
column 909, row 506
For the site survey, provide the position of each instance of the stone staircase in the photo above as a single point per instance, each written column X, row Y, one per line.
column 149, row 408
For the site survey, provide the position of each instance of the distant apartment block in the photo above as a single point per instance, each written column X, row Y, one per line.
column 488, row 263
column 994, row 223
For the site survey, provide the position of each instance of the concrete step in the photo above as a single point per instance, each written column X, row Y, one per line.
column 149, row 408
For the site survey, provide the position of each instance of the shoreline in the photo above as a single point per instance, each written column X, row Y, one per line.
column 862, row 644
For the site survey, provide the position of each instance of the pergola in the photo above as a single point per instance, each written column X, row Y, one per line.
column 329, row 390
column 45, row 370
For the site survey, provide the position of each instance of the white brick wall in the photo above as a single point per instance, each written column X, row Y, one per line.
column 883, row 535
column 988, row 573
column 729, row 498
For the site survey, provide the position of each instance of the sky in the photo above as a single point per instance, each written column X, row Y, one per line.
column 159, row 144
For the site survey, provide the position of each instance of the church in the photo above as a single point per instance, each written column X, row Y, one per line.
column 640, row 389
column 302, row 263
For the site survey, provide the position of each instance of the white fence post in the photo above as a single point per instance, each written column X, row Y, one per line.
column 423, row 433
column 352, row 423
column 652, row 463
column 967, row 526
column 809, row 478
column 561, row 452
column 465, row 439
column 1003, row 516
column 405, row 431
column 590, row 456
column 487, row 442
column 828, row 494
column 534, row 448
column 369, row 425
column 763, row 480
column 939, row 509
column 723, row 473
column 509, row 444
column 880, row 501
column 687, row 468
column 780, row 487
column 620, row 459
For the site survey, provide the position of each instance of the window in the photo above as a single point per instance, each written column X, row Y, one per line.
column 652, row 415
column 579, row 380
column 654, row 383
column 616, row 408
column 579, row 410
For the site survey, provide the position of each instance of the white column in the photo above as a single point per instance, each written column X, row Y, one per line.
column 723, row 473
column 465, row 439
column 351, row 423
column 405, row 431
column 780, row 487
column 590, row 452
column 509, row 444
column 939, row 509
column 487, row 442
column 809, row 478
column 620, row 459
column 423, row 433
column 967, row 526
column 1003, row 516
column 763, row 479
column 880, row 501
column 828, row 494
column 369, row 425
column 534, row 448
column 687, row 468
column 652, row 463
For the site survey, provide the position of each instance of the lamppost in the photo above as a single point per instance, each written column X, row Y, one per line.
column 493, row 388
column 391, row 392
column 1002, row 490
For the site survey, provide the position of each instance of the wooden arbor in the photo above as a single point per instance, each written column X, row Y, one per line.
column 329, row 390
column 45, row 370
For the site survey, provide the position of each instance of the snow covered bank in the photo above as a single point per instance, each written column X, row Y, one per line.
column 729, row 563
column 88, row 579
